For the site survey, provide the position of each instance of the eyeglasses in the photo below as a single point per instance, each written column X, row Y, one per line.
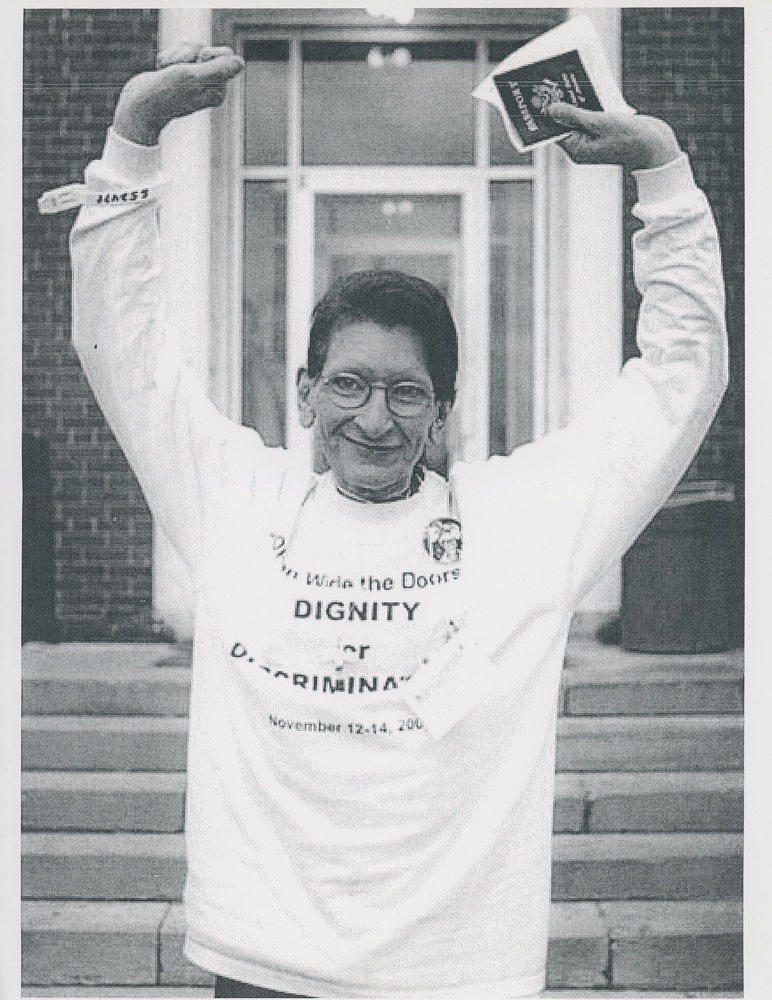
column 403, row 399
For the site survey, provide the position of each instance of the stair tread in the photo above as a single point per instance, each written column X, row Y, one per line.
column 104, row 723
column 602, row 802
column 120, row 843
column 88, row 916
column 579, row 846
column 679, row 919
column 585, row 744
column 566, row 782
column 591, row 725
column 149, row 680
column 632, row 783
column 104, row 781
column 582, row 653
column 76, row 659
column 567, row 919
column 578, row 725
column 646, row 846
column 593, row 659
column 200, row 992
column 612, row 669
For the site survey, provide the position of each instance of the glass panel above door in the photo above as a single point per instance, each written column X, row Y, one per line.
column 418, row 234
column 392, row 104
column 266, row 86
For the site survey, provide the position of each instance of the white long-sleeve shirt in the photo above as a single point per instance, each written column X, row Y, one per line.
column 341, row 840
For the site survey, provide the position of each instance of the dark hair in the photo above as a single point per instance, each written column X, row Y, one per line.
column 390, row 298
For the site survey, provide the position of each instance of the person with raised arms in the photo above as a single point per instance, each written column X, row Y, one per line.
column 371, row 761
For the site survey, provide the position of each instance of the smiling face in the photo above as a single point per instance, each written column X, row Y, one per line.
column 371, row 452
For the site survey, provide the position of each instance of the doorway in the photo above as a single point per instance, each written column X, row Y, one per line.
column 355, row 154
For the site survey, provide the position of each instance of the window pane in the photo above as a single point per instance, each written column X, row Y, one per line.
column 263, row 368
column 266, row 80
column 387, row 104
column 511, row 362
column 418, row 234
column 502, row 152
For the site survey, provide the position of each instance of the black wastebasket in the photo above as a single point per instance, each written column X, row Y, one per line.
column 678, row 579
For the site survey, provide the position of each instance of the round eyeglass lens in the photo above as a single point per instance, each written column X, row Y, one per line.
column 407, row 398
column 348, row 390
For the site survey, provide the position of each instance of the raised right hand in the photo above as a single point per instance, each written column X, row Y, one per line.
column 187, row 79
column 635, row 141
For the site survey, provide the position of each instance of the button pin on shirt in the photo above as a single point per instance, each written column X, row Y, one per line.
column 443, row 540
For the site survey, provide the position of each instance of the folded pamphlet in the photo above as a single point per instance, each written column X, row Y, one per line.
column 565, row 64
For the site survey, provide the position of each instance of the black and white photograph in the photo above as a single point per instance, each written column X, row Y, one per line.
column 382, row 523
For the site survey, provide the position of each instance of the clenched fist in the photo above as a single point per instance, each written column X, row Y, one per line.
column 187, row 79
column 635, row 141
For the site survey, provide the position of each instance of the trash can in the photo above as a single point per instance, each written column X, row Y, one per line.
column 678, row 579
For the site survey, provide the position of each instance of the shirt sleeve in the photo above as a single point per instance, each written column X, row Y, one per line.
column 592, row 487
column 179, row 446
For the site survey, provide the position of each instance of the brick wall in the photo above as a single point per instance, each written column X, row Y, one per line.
column 686, row 65
column 75, row 62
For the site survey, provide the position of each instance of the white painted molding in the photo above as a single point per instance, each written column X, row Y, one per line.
column 185, row 242
column 593, row 282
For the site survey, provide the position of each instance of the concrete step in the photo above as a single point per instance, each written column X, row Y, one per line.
column 107, row 866
column 105, row 679
column 646, row 945
column 162, row 992
column 607, row 680
column 645, row 866
column 103, row 743
column 626, row 946
column 650, row 743
column 151, row 866
column 617, row 743
column 149, row 690
column 654, row 802
column 148, row 679
column 107, row 801
column 197, row 992
column 90, row 944
column 153, row 802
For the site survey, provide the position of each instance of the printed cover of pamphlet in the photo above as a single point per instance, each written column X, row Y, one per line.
column 528, row 91
column 565, row 64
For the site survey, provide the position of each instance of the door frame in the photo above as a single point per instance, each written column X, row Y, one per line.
column 577, row 334
column 471, row 182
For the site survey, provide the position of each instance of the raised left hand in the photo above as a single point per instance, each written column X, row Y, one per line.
column 188, row 78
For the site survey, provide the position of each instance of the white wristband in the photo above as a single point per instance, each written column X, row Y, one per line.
column 62, row 199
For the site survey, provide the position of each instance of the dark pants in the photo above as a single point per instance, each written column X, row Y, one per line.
column 233, row 988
